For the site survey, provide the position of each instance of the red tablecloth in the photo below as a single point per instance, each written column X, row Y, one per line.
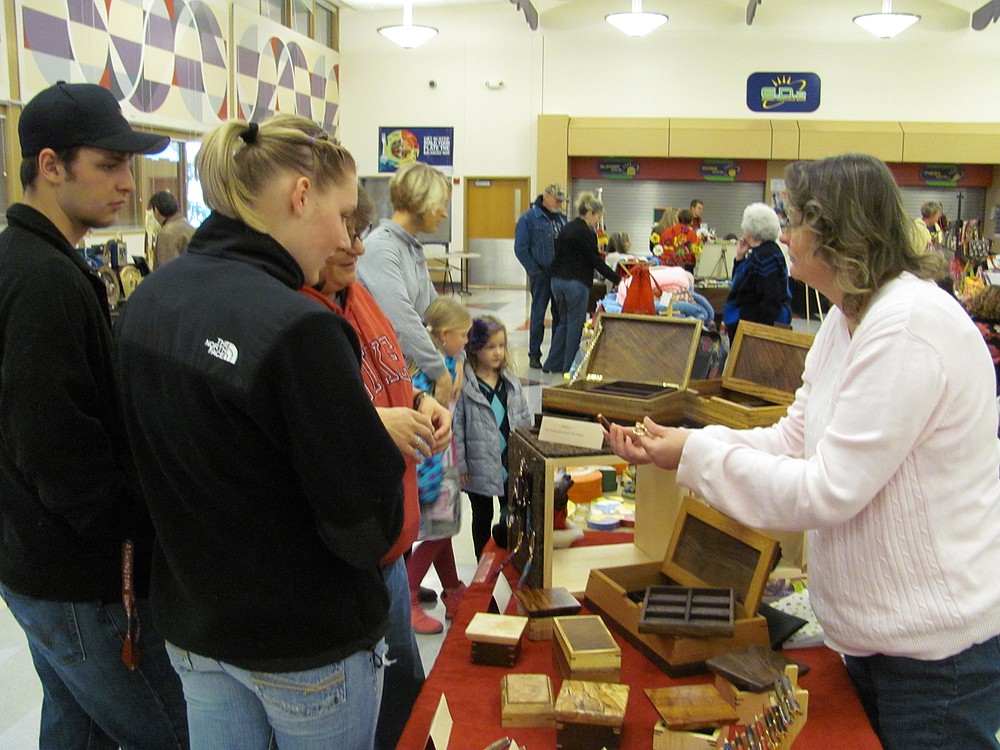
column 835, row 718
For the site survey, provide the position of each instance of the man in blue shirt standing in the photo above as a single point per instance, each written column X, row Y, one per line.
column 534, row 246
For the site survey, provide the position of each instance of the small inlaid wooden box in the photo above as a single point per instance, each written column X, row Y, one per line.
column 638, row 366
column 758, row 384
column 584, row 649
column 541, row 606
column 590, row 715
column 526, row 701
column 496, row 639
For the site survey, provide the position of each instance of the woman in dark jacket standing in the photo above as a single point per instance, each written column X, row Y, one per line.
column 759, row 291
column 273, row 486
column 572, row 273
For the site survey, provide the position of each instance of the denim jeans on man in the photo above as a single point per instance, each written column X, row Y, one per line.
column 229, row 708
column 569, row 300
column 948, row 704
column 89, row 699
column 541, row 296
column 404, row 672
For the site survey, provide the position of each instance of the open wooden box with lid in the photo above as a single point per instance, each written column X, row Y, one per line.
column 638, row 365
column 758, row 384
column 707, row 549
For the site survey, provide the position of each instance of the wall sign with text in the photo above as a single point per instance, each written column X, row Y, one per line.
column 400, row 146
column 783, row 92
column 942, row 175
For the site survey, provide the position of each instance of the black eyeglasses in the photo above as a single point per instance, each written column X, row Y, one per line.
column 359, row 232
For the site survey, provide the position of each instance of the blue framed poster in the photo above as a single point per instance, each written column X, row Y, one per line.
column 783, row 92
column 398, row 146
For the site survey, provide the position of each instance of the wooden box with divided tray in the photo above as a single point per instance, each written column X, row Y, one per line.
column 637, row 366
column 758, row 383
column 707, row 550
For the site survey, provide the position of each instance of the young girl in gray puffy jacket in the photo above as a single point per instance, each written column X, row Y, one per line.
column 491, row 406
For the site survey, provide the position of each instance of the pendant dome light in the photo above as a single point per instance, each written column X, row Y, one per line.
column 408, row 36
column 886, row 24
column 636, row 23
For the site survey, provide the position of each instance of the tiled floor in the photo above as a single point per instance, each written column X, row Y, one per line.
column 20, row 692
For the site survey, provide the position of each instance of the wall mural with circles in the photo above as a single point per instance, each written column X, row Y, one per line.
column 168, row 61
column 279, row 70
column 165, row 61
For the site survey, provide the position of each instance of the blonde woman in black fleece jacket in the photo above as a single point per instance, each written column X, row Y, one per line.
column 273, row 486
column 577, row 258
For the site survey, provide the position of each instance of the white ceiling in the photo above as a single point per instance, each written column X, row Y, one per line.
column 954, row 13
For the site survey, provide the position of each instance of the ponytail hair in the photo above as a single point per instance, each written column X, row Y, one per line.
column 238, row 159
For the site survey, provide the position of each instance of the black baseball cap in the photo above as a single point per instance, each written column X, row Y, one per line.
column 81, row 114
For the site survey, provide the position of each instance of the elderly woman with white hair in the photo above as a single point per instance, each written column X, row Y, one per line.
column 759, row 291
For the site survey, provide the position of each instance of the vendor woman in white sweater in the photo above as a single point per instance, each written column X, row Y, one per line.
column 888, row 455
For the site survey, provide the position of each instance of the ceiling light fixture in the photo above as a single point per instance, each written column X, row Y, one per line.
column 408, row 36
column 886, row 24
column 636, row 23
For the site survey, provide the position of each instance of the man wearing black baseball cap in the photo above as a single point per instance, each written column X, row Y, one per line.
column 75, row 537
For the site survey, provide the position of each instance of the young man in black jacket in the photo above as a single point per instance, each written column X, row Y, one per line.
column 70, row 503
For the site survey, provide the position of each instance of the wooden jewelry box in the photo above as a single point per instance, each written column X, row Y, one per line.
column 590, row 715
column 542, row 606
column 707, row 550
column 638, row 366
column 758, row 384
column 526, row 701
column 496, row 639
column 584, row 649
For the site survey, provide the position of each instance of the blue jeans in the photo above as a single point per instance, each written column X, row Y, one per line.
column 89, row 699
column 950, row 703
column 569, row 300
column 404, row 672
column 541, row 296
column 230, row 708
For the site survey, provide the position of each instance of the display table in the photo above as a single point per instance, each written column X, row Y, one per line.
column 836, row 718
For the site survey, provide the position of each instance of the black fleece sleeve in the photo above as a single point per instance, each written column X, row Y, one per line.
column 350, row 470
column 57, row 399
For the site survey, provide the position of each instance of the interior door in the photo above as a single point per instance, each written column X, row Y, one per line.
column 492, row 207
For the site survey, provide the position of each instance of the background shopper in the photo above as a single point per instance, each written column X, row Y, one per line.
column 535, row 248
column 448, row 322
column 491, row 407
column 577, row 258
column 759, row 289
column 394, row 268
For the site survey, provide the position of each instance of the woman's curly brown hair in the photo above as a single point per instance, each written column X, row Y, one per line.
column 853, row 205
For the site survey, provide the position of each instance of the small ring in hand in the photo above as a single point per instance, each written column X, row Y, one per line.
column 639, row 430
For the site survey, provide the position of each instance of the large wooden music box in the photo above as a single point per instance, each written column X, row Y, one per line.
column 758, row 384
column 707, row 550
column 638, row 366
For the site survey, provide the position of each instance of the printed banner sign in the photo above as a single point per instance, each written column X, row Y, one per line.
column 719, row 170
column 942, row 175
column 783, row 92
column 398, row 146
column 618, row 168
